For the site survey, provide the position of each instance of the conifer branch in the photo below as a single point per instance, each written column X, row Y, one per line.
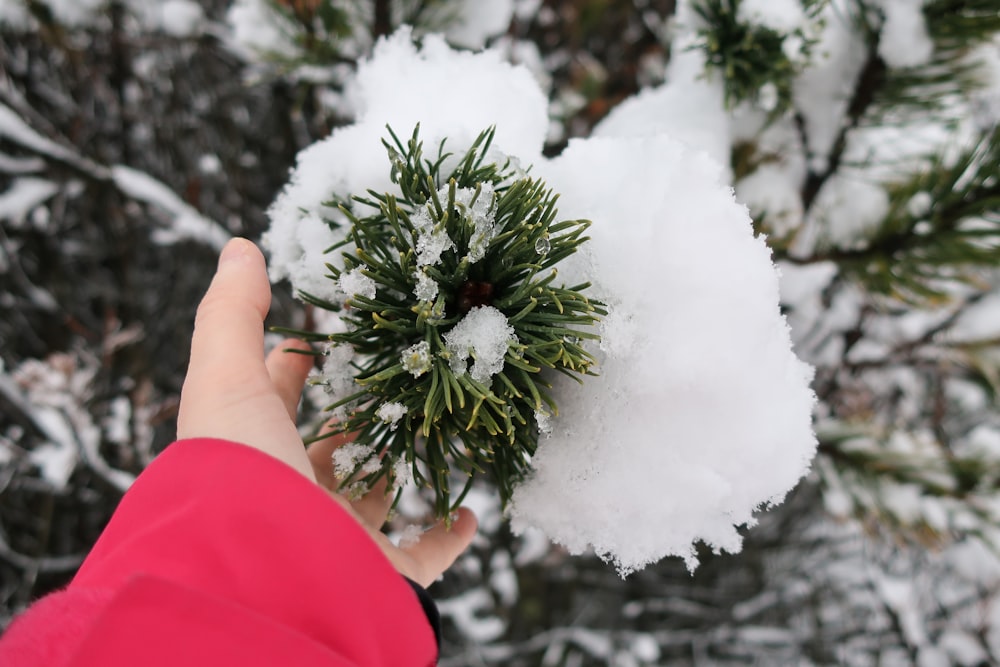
column 456, row 255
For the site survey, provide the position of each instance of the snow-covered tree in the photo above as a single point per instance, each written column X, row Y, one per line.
column 861, row 134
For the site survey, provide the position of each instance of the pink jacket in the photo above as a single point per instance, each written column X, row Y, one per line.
column 222, row 555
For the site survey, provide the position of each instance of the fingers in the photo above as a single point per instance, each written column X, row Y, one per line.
column 229, row 325
column 438, row 548
column 373, row 507
column 288, row 371
column 228, row 392
column 321, row 456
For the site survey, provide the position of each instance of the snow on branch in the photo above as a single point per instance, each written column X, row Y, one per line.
column 183, row 222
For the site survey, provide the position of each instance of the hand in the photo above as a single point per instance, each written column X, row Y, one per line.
column 232, row 392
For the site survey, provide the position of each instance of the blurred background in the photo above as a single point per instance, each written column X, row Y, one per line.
column 137, row 136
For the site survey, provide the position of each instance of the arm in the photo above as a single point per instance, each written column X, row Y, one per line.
column 235, row 550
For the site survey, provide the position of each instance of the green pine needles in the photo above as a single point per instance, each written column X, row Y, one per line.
column 455, row 317
column 757, row 63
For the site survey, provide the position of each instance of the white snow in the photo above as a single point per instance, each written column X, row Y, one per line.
column 482, row 90
column 356, row 283
column 904, row 41
column 689, row 106
column 823, row 90
column 416, row 359
column 22, row 197
column 391, row 413
column 701, row 414
column 700, row 343
column 409, row 537
column 180, row 18
column 402, row 473
column 778, row 15
column 481, row 212
column 431, row 244
column 474, row 21
column 14, row 15
column 337, row 376
column 979, row 321
column 258, row 29
column 426, row 288
column 484, row 334
column 184, row 221
column 348, row 457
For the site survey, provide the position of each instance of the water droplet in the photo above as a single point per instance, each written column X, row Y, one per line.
column 542, row 245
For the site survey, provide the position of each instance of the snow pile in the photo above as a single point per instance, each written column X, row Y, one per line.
column 484, row 91
column 701, row 413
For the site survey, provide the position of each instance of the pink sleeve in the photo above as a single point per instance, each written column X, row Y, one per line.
column 222, row 554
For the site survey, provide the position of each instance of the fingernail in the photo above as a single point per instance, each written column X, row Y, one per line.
column 234, row 249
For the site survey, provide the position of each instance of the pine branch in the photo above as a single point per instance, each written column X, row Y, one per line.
column 870, row 80
column 958, row 229
column 454, row 256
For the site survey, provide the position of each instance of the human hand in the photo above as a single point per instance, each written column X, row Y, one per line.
column 232, row 392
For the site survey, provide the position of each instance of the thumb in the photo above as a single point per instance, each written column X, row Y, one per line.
column 438, row 548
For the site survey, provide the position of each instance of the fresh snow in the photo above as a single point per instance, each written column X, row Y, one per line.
column 485, row 335
column 701, row 414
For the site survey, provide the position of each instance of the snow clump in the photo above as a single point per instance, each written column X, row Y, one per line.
column 701, row 414
column 485, row 334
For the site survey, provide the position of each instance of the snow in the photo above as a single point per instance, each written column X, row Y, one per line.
column 689, row 106
column 430, row 244
column 823, row 90
column 480, row 210
column 14, row 15
column 700, row 344
column 979, row 321
column 482, row 89
column 356, row 283
column 409, row 537
column 185, row 223
column 180, row 18
column 484, row 334
column 778, row 15
column 391, row 413
column 426, row 288
column 257, row 28
column 22, row 197
column 348, row 457
column 336, row 377
column 904, row 41
column 701, row 414
column 402, row 474
column 416, row 359
column 177, row 18
column 474, row 21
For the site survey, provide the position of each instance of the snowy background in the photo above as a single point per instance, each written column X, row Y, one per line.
column 136, row 136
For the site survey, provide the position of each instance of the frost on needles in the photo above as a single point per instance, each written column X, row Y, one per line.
column 455, row 317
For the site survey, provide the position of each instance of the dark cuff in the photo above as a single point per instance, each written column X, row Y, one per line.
column 430, row 609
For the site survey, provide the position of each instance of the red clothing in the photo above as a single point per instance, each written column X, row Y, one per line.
column 222, row 555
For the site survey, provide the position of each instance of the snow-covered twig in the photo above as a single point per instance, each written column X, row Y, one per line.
column 184, row 222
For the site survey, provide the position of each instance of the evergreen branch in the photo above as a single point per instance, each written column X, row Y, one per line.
column 451, row 249
column 959, row 229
